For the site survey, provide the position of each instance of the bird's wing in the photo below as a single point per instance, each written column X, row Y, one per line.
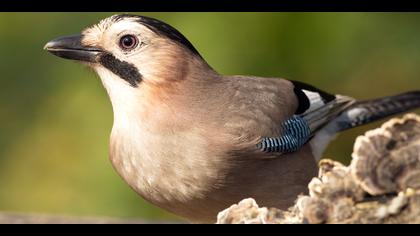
column 316, row 109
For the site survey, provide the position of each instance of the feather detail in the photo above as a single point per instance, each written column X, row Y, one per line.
column 296, row 132
column 316, row 109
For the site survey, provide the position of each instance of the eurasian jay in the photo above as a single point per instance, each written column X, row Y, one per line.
column 193, row 141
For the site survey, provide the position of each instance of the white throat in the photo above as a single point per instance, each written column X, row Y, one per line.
column 119, row 91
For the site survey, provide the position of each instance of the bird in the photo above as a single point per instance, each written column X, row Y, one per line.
column 193, row 141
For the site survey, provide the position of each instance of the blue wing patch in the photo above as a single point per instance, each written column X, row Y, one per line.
column 296, row 132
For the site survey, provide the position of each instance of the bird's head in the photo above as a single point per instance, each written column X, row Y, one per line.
column 128, row 50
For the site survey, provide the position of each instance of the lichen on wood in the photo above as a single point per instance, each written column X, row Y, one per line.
column 381, row 185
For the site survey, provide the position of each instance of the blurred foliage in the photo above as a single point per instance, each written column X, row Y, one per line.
column 56, row 118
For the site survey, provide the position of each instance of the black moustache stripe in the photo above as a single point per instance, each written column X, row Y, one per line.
column 124, row 70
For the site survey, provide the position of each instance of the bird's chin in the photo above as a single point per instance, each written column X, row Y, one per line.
column 70, row 47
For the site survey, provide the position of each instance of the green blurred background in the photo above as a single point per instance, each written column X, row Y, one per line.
column 56, row 118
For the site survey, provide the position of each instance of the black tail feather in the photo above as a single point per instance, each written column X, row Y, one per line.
column 363, row 112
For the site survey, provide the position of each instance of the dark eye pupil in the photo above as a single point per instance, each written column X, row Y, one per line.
column 128, row 42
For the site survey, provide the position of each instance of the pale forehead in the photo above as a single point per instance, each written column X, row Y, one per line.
column 113, row 26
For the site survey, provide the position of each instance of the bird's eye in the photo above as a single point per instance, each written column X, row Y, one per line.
column 128, row 42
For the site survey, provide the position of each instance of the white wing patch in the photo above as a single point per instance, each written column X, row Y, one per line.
column 315, row 100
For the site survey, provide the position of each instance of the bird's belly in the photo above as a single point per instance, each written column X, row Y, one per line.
column 167, row 170
column 186, row 193
column 194, row 183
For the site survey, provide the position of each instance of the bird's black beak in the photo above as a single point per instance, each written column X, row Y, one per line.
column 70, row 47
